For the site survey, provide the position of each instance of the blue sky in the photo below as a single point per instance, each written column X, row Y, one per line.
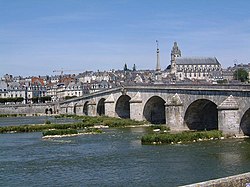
column 39, row 36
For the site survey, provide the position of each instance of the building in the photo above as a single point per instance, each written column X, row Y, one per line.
column 194, row 68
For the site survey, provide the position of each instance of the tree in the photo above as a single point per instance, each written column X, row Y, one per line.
column 241, row 74
column 134, row 68
column 34, row 99
column 45, row 98
column 125, row 67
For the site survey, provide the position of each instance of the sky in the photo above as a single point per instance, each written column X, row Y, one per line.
column 40, row 36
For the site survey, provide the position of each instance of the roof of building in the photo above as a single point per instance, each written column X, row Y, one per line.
column 197, row 61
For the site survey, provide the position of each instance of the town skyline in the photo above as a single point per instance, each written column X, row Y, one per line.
column 39, row 37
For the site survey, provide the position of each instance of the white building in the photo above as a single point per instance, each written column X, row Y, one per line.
column 194, row 68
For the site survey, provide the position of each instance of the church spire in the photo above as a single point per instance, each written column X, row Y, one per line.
column 176, row 52
column 158, row 66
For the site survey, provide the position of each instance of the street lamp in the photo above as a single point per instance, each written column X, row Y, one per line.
column 235, row 64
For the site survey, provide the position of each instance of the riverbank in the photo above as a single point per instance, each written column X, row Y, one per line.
column 236, row 181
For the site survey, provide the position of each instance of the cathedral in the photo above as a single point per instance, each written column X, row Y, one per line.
column 194, row 68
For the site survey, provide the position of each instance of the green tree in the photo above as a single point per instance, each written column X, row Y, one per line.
column 241, row 74
column 34, row 99
column 125, row 67
column 45, row 98
column 134, row 68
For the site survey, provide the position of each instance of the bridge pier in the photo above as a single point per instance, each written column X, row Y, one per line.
column 110, row 106
column 174, row 111
column 79, row 110
column 70, row 109
column 136, row 108
column 228, row 116
column 91, row 108
column 63, row 110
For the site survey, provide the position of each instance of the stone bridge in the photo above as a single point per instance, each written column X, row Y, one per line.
column 181, row 107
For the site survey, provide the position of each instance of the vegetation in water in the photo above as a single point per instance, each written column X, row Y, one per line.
column 60, row 132
column 47, row 122
column 103, row 120
column 86, row 121
column 184, row 137
column 162, row 127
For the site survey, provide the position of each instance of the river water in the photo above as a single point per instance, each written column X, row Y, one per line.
column 115, row 158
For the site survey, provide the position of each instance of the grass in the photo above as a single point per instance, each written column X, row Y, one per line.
column 60, row 132
column 104, row 120
column 184, row 137
column 162, row 127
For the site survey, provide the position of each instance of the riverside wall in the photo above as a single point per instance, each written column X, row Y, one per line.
column 28, row 109
column 241, row 180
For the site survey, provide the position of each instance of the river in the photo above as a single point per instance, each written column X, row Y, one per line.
column 115, row 158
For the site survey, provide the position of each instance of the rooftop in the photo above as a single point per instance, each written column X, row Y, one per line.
column 197, row 61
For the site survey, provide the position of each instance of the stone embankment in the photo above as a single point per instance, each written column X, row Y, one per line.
column 242, row 180
column 28, row 109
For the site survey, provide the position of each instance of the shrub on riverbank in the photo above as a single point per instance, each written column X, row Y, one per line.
column 60, row 132
column 103, row 120
column 47, row 122
column 162, row 127
column 11, row 115
column 37, row 128
column 167, row 138
column 86, row 121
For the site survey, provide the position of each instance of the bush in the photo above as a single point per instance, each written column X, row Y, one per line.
column 161, row 127
column 187, row 136
column 104, row 120
column 11, row 115
column 60, row 132
column 47, row 122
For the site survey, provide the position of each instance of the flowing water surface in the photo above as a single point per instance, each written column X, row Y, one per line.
column 26, row 120
column 115, row 158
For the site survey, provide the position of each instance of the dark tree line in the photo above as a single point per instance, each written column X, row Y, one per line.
column 241, row 75
column 11, row 100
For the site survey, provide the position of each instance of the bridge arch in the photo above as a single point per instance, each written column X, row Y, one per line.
column 245, row 123
column 201, row 114
column 101, row 107
column 85, row 108
column 122, row 107
column 74, row 108
column 154, row 110
column 48, row 111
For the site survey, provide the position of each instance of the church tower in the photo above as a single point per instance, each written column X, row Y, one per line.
column 176, row 52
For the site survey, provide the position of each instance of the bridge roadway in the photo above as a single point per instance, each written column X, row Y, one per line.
column 181, row 107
